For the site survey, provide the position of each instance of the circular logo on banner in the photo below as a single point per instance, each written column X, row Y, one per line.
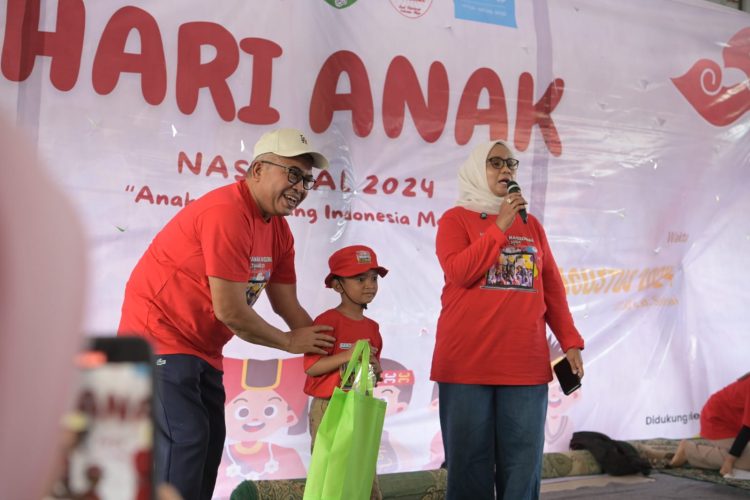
column 341, row 4
column 411, row 8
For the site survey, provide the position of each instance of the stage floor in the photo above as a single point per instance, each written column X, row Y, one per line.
column 656, row 485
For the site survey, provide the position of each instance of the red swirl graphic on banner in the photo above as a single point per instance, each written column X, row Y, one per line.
column 701, row 85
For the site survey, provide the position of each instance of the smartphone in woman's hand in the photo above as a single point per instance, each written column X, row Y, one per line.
column 568, row 380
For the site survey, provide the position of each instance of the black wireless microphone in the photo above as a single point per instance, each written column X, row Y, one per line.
column 483, row 215
column 513, row 187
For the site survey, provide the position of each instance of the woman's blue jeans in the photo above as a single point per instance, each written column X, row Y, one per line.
column 494, row 440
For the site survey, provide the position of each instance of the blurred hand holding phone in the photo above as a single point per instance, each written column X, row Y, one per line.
column 110, row 432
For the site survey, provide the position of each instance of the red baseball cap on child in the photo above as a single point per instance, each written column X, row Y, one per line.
column 351, row 261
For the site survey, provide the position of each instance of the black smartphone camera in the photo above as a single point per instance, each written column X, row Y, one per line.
column 568, row 380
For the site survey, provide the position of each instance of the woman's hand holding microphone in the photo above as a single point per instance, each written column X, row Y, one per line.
column 511, row 205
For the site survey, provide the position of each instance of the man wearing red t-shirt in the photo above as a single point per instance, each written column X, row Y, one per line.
column 194, row 288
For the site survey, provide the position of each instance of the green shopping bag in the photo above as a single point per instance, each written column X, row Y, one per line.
column 348, row 438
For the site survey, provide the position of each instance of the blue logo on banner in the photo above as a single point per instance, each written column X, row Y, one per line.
column 502, row 12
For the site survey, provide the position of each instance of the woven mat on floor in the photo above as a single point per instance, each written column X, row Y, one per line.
column 599, row 480
column 711, row 476
column 429, row 485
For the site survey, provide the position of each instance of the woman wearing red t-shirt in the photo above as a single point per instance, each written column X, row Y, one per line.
column 491, row 360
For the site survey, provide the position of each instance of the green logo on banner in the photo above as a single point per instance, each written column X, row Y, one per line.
column 341, row 4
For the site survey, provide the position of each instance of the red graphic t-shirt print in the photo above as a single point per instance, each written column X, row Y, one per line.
column 260, row 273
column 702, row 84
column 515, row 269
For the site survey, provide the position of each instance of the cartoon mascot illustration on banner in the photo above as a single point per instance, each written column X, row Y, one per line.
column 264, row 398
column 559, row 425
column 437, row 452
column 395, row 389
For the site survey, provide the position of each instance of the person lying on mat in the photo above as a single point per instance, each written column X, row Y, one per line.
column 354, row 273
column 725, row 429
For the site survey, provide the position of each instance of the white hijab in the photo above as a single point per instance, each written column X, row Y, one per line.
column 473, row 191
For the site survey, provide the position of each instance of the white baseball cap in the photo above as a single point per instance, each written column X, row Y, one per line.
column 288, row 142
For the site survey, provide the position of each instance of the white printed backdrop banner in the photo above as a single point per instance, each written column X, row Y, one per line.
column 630, row 123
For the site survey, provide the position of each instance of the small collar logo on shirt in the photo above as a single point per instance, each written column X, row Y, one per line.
column 161, row 362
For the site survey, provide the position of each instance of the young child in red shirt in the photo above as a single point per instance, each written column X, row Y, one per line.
column 354, row 273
